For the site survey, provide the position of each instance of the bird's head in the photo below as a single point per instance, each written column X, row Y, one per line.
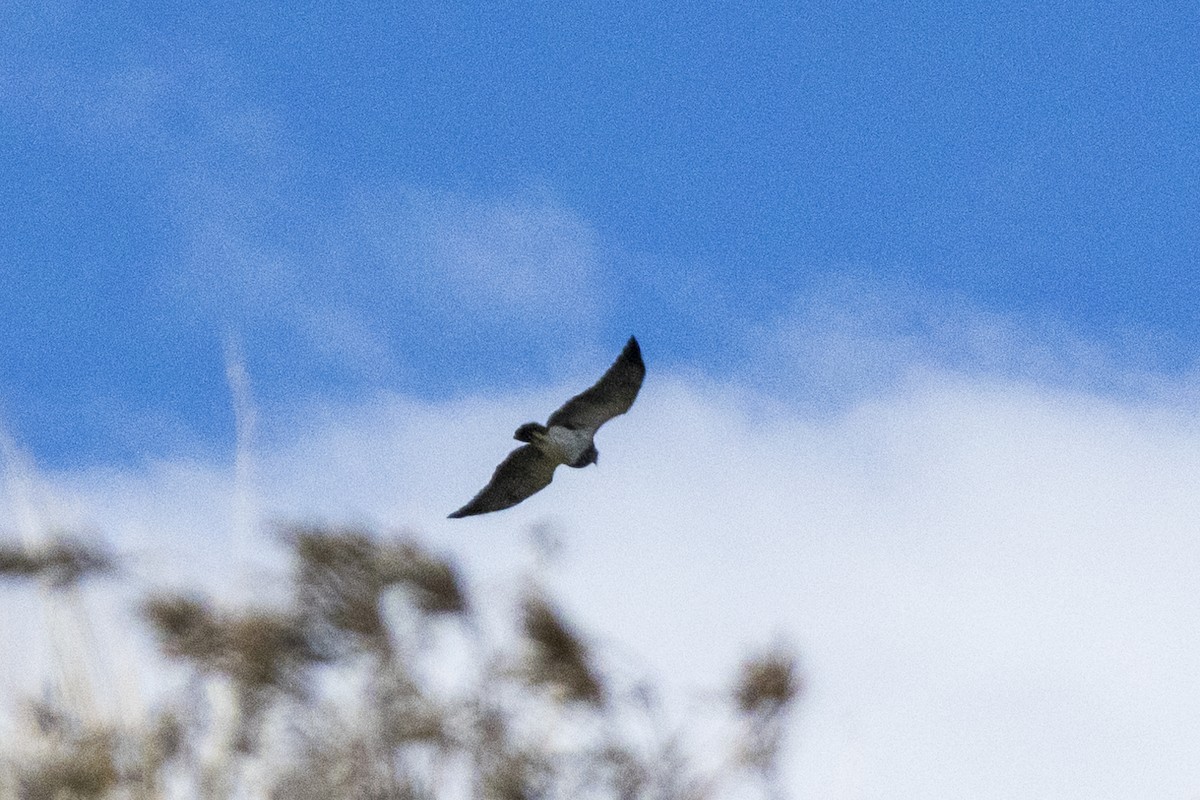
column 590, row 456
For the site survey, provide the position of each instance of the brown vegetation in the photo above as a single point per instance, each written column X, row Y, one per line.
column 381, row 681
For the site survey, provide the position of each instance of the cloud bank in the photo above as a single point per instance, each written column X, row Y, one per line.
column 992, row 583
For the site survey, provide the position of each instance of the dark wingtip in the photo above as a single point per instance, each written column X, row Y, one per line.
column 469, row 510
column 632, row 349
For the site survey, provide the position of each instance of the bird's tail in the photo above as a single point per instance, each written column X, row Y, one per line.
column 526, row 432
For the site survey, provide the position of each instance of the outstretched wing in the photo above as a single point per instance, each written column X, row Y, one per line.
column 526, row 471
column 613, row 394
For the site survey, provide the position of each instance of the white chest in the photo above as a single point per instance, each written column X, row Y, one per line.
column 569, row 444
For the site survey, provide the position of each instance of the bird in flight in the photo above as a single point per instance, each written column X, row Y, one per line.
column 566, row 438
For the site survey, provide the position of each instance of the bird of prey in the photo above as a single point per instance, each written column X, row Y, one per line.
column 566, row 438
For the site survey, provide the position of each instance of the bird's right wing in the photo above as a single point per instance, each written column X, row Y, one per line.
column 525, row 471
column 613, row 394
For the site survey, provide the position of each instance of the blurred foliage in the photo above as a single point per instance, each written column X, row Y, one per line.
column 343, row 693
column 62, row 561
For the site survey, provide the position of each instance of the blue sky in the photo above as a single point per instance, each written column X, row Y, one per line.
column 916, row 288
column 174, row 175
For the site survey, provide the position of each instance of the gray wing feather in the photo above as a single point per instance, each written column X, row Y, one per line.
column 613, row 394
column 525, row 471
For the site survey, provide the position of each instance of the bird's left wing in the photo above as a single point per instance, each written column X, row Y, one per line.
column 525, row 471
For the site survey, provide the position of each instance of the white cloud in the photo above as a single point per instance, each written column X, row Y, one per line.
column 262, row 239
column 523, row 259
column 851, row 334
column 396, row 271
column 992, row 585
column 508, row 259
